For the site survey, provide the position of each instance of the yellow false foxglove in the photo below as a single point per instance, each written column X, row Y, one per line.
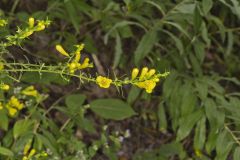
column 103, row 82
column 151, row 73
column 135, row 72
column 30, row 91
column 40, row 26
column 60, row 49
column 12, row 111
column 31, row 22
column 143, row 73
column 85, row 64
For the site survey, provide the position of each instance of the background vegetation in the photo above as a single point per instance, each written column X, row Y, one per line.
column 192, row 114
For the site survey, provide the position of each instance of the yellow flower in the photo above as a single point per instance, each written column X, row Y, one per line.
column 26, row 148
column 14, row 102
column 103, row 82
column 31, row 22
column 85, row 64
column 27, row 33
column 5, row 87
column 25, row 158
column 148, row 85
column 79, row 48
column 32, row 152
column 143, row 73
column 30, row 91
column 150, row 73
column 12, row 111
column 135, row 72
column 40, row 26
column 60, row 49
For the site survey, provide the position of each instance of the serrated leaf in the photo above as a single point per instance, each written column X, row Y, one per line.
column 112, row 109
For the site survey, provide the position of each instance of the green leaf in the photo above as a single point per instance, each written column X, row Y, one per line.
column 3, row 120
column 145, row 45
column 200, row 134
column 236, row 153
column 199, row 49
column 188, row 99
column 230, row 43
column 118, row 51
column 162, row 117
column 74, row 102
column 207, row 5
column 197, row 19
column 187, row 123
column 224, row 145
column 73, row 14
column 133, row 94
column 6, row 152
column 112, row 109
column 176, row 40
column 22, row 127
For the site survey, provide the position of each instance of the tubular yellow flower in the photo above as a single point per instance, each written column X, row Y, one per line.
column 32, row 152
column 26, row 34
column 85, row 64
column 148, row 85
column 25, row 158
column 103, row 82
column 135, row 72
column 12, row 111
column 151, row 73
column 31, row 22
column 14, row 102
column 26, row 148
column 77, row 57
column 40, row 26
column 79, row 48
column 60, row 49
column 30, row 91
column 143, row 73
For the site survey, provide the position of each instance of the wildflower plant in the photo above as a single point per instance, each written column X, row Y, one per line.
column 15, row 101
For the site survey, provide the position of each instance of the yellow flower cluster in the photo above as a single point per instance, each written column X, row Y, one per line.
column 103, row 82
column 30, row 91
column 28, row 155
column 74, row 64
column 41, row 25
column 13, row 106
column 146, row 80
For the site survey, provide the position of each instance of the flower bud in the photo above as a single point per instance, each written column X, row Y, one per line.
column 135, row 72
